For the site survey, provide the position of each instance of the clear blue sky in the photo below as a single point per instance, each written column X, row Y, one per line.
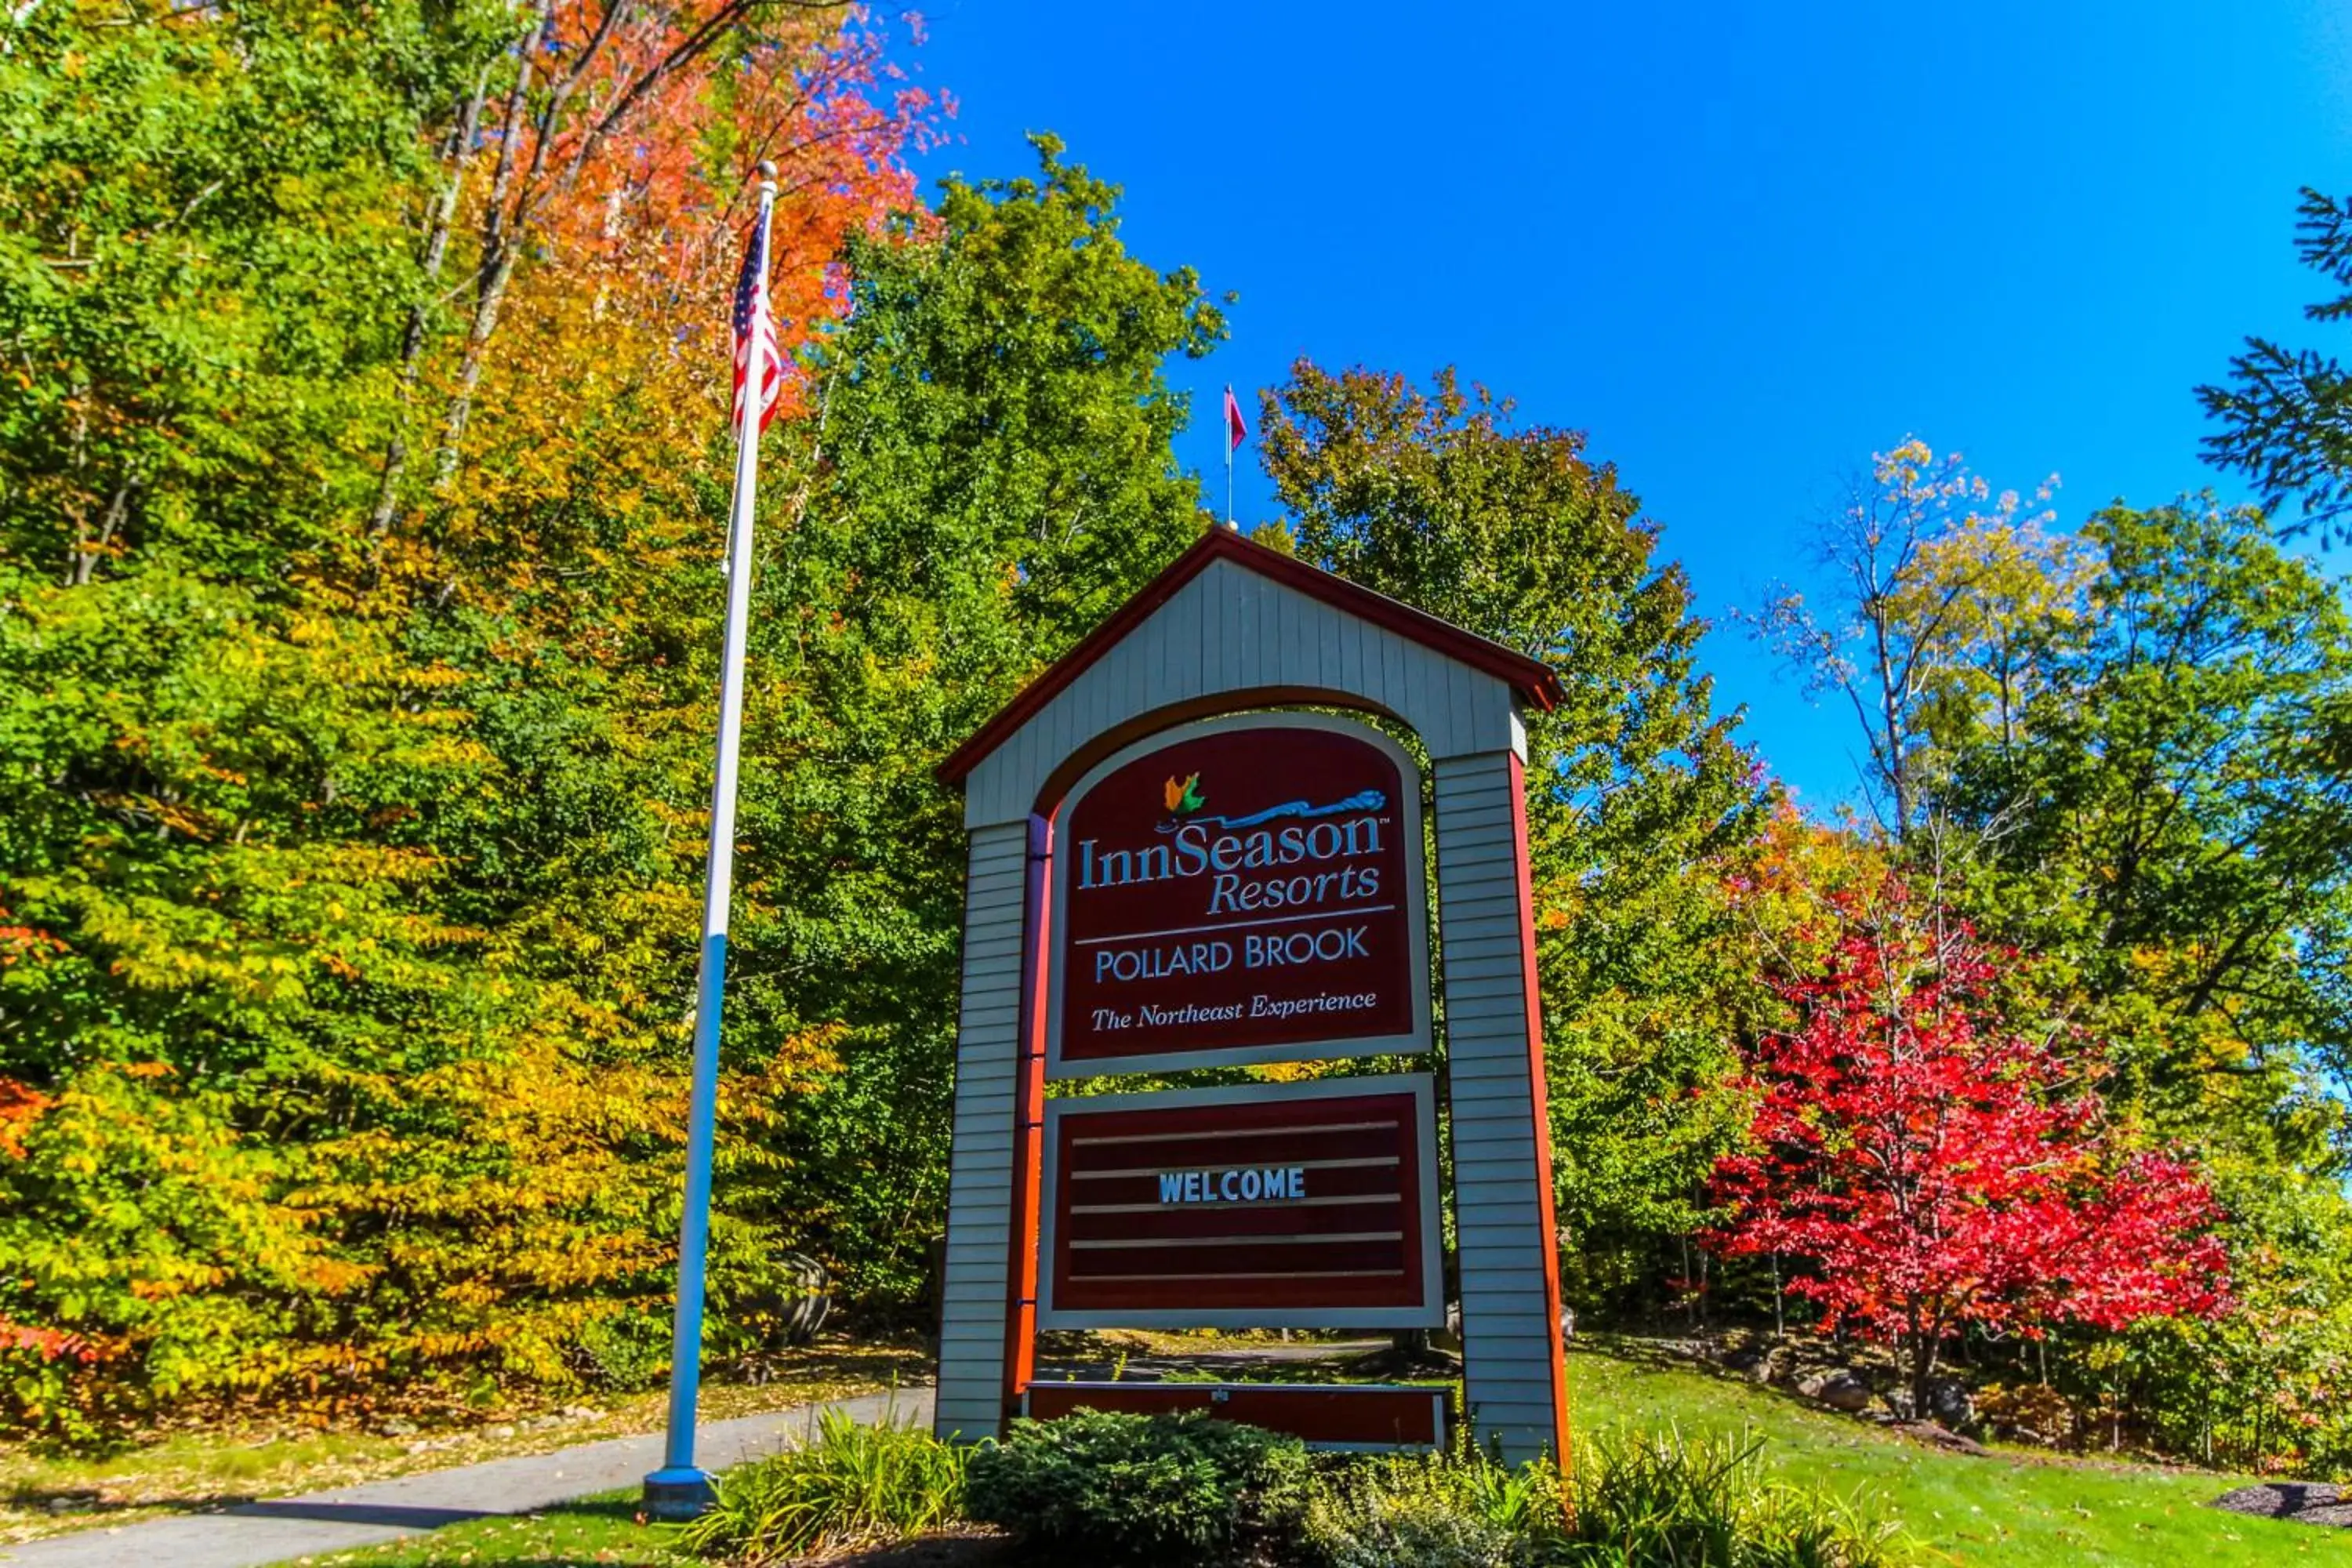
column 1742, row 245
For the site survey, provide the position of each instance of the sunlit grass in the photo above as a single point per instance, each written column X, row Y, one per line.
column 2007, row 1511
column 598, row 1531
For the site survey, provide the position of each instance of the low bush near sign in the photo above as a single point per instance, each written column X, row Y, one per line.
column 1651, row 1502
column 1187, row 1491
column 1182, row 1491
column 1656, row 1500
column 849, row 1485
column 1433, row 1512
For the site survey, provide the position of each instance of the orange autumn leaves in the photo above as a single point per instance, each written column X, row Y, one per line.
column 611, row 364
column 20, row 1106
column 20, row 1103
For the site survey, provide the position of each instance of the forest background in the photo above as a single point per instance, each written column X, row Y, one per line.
column 362, row 491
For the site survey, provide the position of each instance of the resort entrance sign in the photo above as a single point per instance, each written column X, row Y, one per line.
column 1181, row 858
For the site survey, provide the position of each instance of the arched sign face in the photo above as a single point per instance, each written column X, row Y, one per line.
column 1242, row 890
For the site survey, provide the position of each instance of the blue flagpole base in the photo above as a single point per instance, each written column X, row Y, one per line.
column 676, row 1496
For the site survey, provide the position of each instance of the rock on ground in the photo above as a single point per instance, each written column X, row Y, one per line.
column 1839, row 1391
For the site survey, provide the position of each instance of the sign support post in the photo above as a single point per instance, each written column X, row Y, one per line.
column 1028, row 1126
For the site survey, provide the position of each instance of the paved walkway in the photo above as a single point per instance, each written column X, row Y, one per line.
column 283, row 1528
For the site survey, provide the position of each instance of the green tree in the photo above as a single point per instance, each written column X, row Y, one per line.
column 205, row 755
column 2165, row 820
column 2174, row 808
column 1635, row 788
column 2286, row 414
column 204, row 268
column 1932, row 588
column 989, row 474
column 348, row 894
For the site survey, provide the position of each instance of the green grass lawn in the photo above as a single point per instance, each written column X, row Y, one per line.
column 590, row 1532
column 2013, row 1510
column 2008, row 1511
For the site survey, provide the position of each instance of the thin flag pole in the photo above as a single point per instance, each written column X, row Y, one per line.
column 681, row 1489
column 1226, row 435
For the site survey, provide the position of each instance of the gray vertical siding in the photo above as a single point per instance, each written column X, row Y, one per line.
column 1509, row 1331
column 979, row 1174
column 1231, row 629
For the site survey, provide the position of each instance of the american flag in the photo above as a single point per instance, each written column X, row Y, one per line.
column 754, row 324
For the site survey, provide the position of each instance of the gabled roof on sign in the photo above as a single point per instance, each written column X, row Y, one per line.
column 1532, row 679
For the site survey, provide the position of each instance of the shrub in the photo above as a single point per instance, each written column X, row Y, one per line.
column 1433, row 1512
column 625, row 1353
column 1657, row 1501
column 849, row 1485
column 1182, row 1490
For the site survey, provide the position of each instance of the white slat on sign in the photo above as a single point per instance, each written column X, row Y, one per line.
column 1509, row 1345
column 1231, row 629
column 980, row 1177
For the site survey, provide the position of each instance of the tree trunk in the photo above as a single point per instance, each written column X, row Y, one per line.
column 1690, row 1304
column 1891, row 719
column 87, row 550
column 1924, row 1346
column 469, row 369
column 412, row 343
column 501, row 235
column 504, row 228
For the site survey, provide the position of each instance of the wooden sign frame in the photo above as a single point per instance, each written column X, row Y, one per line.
column 1232, row 627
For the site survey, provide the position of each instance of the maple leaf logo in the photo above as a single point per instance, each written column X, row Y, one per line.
column 1185, row 798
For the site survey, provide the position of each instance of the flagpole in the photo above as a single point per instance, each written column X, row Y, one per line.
column 681, row 1489
column 1226, row 435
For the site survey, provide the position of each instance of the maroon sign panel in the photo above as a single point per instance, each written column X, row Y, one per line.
column 1243, row 892
column 1275, row 1203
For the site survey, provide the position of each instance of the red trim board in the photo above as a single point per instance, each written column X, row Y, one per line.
column 1539, row 1099
column 1028, row 1120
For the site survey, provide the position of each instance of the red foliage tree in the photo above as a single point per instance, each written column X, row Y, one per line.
column 1930, row 1169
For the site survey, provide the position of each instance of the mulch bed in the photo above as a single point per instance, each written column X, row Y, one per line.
column 2305, row 1503
column 930, row 1551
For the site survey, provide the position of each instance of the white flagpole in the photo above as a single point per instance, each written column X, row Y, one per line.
column 681, row 1489
column 1226, row 435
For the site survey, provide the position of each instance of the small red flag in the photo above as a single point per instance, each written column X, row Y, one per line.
column 1235, row 431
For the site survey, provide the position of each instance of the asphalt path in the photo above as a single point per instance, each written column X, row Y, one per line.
column 276, row 1530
